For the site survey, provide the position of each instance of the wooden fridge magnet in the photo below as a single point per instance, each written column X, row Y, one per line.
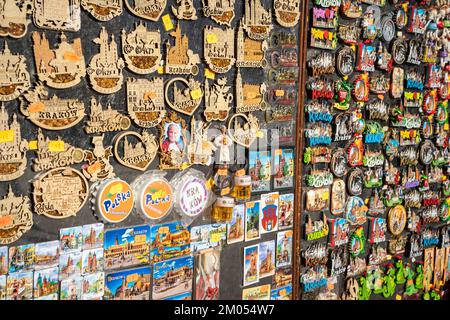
column 54, row 199
column 200, row 149
column 257, row 21
column 13, row 17
column 16, row 215
column 185, row 98
column 141, row 49
column 13, row 158
column 105, row 68
column 250, row 53
column 57, row 15
column 134, row 150
column 105, row 120
column 62, row 67
column 172, row 142
column 14, row 79
column 287, row 12
column 147, row 9
column 243, row 129
column 180, row 59
column 103, row 10
column 221, row 11
column 185, row 10
column 55, row 153
column 249, row 97
column 217, row 100
column 51, row 113
column 145, row 101
column 98, row 167
column 219, row 48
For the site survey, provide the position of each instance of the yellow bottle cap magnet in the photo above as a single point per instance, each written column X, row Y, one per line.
column 155, row 199
column 193, row 197
column 114, row 201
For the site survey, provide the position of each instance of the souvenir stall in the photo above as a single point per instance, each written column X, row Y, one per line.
column 147, row 149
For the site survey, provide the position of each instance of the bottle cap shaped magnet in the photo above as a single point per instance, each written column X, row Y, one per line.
column 112, row 200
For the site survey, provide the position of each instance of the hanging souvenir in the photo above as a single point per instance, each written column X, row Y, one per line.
column 377, row 230
column 318, row 133
column 15, row 77
column 355, row 152
column 417, row 20
column 373, row 177
column 200, row 149
column 134, row 150
column 317, row 229
column 412, row 99
column 434, row 74
column 378, row 255
column 55, row 153
column 317, row 155
column 251, row 53
column 371, row 22
column 373, row 132
column 378, row 110
column 105, row 68
column 441, row 136
column 441, row 114
column 345, row 61
column 112, row 201
column 219, row 48
column 415, row 246
column 180, row 59
column 243, row 129
column 376, row 206
column 444, row 90
column 339, row 262
column 361, row 88
column 414, row 79
column 391, row 174
column 13, row 158
column 185, row 99
column 410, row 177
column 408, row 156
column 430, row 215
column 430, row 102
column 397, row 82
column 314, row 278
column 356, row 267
column 397, row 220
column 221, row 11
column 257, row 21
column 387, row 28
column 384, row 58
column 98, row 167
column 18, row 218
column 317, row 199
column 349, row 33
column 414, row 53
column 249, row 97
column 52, row 14
column 338, row 163
column 366, row 57
column 101, row 10
column 322, row 64
column 146, row 9
column 397, row 246
column 338, row 197
column 355, row 182
column 52, row 198
column 217, row 100
column 379, row 84
column 393, row 196
column 315, row 254
column 14, row 18
column 409, row 137
column 325, row 17
column 141, row 49
column 427, row 152
column 105, row 120
column 357, row 242
column 319, row 178
column 323, row 39
column 351, row 8
column 351, row 290
column 399, row 50
column 287, row 12
column 430, row 238
column 185, row 10
column 342, row 95
column 145, row 101
column 172, row 141
column 356, row 211
column 401, row 16
column 339, row 233
column 444, row 210
column 436, row 175
column 62, row 67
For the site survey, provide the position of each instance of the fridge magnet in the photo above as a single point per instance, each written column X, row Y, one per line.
column 2, row 287
column 163, row 271
column 430, row 47
column 397, row 82
column 93, row 235
column 401, row 16
column 235, row 228
column 321, row 88
column 55, row 153
column 283, row 293
column 14, row 18
column 286, row 211
column 17, row 217
column 169, row 240
column 413, row 99
column 371, row 23
column 366, row 57
column 355, row 152
column 433, row 76
column 55, row 15
column 393, row 196
column 409, row 156
column 142, row 49
column 430, row 215
column 379, row 84
column 107, row 119
column 269, row 212
column 147, row 9
column 317, row 155
column 70, row 289
column 257, row 293
column 4, row 263
column 145, row 101
column 356, row 211
column 399, row 50
column 430, row 102
column 19, row 286
column 412, row 199
column 414, row 223
column 357, row 242
column 207, row 236
column 46, row 284
column 126, row 247
column 53, row 200
column 172, row 141
column 187, row 95
column 257, row 21
column 349, row 33
column 356, row 267
column 314, row 278
column 339, row 232
column 284, row 168
column 378, row 110
column 221, row 11
column 315, row 254
column 98, row 167
column 53, row 113
column 373, row 177
column 418, row 20
column 317, row 199
column 355, row 182
column 69, row 265
column 284, row 248
column 377, row 230
column 46, row 255
column 185, row 10
column 21, row 258
column 93, row 286
column 62, row 67
column 180, row 59
column 134, row 150
column 345, row 61
column 133, row 284
column 378, row 255
column 414, row 52
column 338, row 197
column 243, row 129
column 252, row 220
column 251, row 265
column 373, row 159
column 325, row 17
column 445, row 237
column 360, row 90
column 92, row 261
column 351, row 289
column 316, row 230
column 391, row 174
column 319, row 178
column 430, row 238
column 339, row 163
column 318, row 134
column 387, row 28
column 344, row 126
column 444, row 211
column 441, row 114
column 397, row 220
column 318, row 111
column 351, row 9
column 322, row 64
column 328, row 3
column 384, row 58
column 71, row 239
column 207, row 275
column 103, row 10
column 219, row 48
column 287, row 12
column 105, row 68
column 427, row 152
column 200, row 150
column 415, row 246
column 428, row 268
column 283, row 276
column 260, row 170
column 16, row 79
column 251, row 53
column 373, row 132
column 249, row 97
column 323, row 39
column 217, row 100
column 266, row 259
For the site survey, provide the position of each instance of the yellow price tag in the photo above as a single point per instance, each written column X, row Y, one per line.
column 225, row 191
column 160, row 70
column 278, row 152
column 196, row 94
column 398, row 297
column 149, row 95
column 211, row 38
column 168, row 25
column 6, row 136
column 325, row 196
column 185, row 165
column 56, row 146
column 209, row 74
column 446, row 127
column 209, row 183
column 32, row 145
column 215, row 237
column 279, row 93
column 260, row 134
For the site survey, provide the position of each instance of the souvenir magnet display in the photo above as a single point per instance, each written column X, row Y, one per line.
column 52, row 14
column 366, row 57
column 323, row 39
column 355, row 182
column 356, row 211
column 146, row 9
column 345, row 61
column 338, row 163
column 338, row 197
column 317, row 199
column 137, row 154
column 397, row 82
column 16, row 79
column 219, row 48
column 357, row 242
column 325, row 17
column 180, row 59
column 103, row 10
column 317, row 229
column 251, row 53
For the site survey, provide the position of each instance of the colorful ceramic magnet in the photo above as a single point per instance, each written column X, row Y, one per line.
column 356, row 211
column 397, row 220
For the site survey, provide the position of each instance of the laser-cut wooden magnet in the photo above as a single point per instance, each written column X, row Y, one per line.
column 243, row 129
column 249, row 97
column 172, row 142
column 221, row 11
column 185, row 10
column 134, row 150
column 180, row 59
column 63, row 15
column 219, row 48
column 200, row 150
column 105, row 68
column 187, row 98
column 142, row 49
column 217, row 100
column 145, row 101
column 105, row 120
column 257, row 21
column 51, row 113
column 14, row 77
column 62, row 67
column 147, row 9
column 98, row 167
column 287, row 12
column 250, row 53
column 13, row 18
column 103, row 10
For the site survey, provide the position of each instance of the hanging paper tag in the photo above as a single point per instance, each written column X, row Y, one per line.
column 168, row 25
column 185, row 165
column 56, row 146
column 209, row 74
column 260, row 134
column 160, row 70
column 215, row 237
column 398, row 297
column 446, row 127
column 196, row 94
column 325, row 196
column 32, row 145
column 211, row 38
column 6, row 136
column 149, row 95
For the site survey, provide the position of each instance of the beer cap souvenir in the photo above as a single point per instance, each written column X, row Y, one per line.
column 397, row 220
column 112, row 200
